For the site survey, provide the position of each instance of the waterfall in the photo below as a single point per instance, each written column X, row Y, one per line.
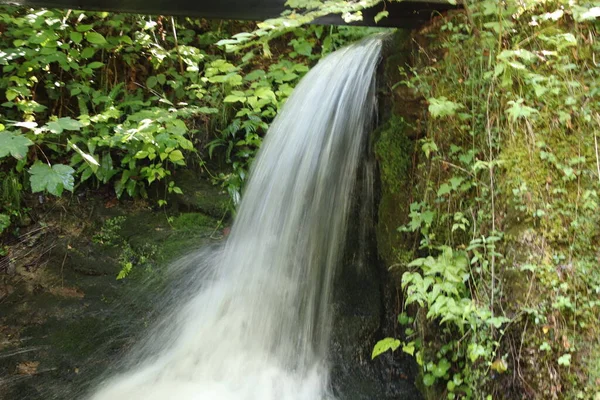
column 257, row 325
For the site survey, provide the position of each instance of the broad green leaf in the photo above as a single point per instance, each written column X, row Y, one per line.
column 64, row 124
column 95, row 38
column 384, row 345
column 151, row 82
column 84, row 28
column 428, row 379
column 14, row 144
column 409, row 348
column 76, row 37
column 51, row 179
column 176, row 156
column 441, row 368
column 234, row 98
column 88, row 52
column 265, row 93
column 95, row 65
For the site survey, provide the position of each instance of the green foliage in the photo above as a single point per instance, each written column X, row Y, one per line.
column 51, row 179
column 384, row 345
column 110, row 235
column 13, row 144
column 505, row 203
column 125, row 100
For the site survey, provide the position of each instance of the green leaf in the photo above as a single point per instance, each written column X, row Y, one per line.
column 84, row 28
column 232, row 98
column 428, row 379
column 384, row 345
column 88, row 52
column 52, row 179
column 4, row 222
column 519, row 110
column 409, row 348
column 381, row 15
column 95, row 65
column 95, row 38
column 76, row 37
column 442, row 107
column 265, row 93
column 564, row 360
column 64, row 124
column 14, row 144
column 441, row 368
column 176, row 156
column 151, row 82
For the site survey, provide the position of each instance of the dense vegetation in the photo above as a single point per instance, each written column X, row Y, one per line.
column 500, row 272
column 492, row 197
column 94, row 99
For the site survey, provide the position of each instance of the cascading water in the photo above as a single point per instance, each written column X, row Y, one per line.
column 258, row 327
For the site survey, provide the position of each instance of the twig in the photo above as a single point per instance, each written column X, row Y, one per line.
column 177, row 45
column 596, row 146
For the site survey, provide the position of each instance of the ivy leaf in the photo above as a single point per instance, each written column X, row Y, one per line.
column 176, row 156
column 428, row 379
column 14, row 144
column 64, row 124
column 384, row 345
column 54, row 180
column 95, row 38
column 441, row 368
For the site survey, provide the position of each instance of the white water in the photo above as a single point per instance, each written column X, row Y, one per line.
column 258, row 326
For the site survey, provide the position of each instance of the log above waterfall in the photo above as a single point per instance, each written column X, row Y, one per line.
column 401, row 14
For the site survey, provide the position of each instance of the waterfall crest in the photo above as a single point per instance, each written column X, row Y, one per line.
column 257, row 326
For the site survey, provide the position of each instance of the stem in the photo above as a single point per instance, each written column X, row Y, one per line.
column 177, row 45
column 596, row 147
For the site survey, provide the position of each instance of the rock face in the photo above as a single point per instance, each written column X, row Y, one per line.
column 64, row 317
column 367, row 300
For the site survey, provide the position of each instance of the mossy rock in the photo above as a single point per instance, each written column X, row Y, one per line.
column 201, row 196
column 393, row 151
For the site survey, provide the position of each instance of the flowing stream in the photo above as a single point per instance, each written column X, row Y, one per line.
column 257, row 326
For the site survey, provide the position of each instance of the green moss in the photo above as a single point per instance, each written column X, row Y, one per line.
column 192, row 221
column 393, row 150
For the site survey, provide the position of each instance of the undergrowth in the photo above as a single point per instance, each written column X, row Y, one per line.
column 97, row 99
column 502, row 297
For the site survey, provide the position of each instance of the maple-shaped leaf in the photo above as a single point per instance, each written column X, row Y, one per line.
column 63, row 124
column 14, row 144
column 52, row 179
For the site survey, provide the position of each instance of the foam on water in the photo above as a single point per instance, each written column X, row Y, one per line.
column 257, row 325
